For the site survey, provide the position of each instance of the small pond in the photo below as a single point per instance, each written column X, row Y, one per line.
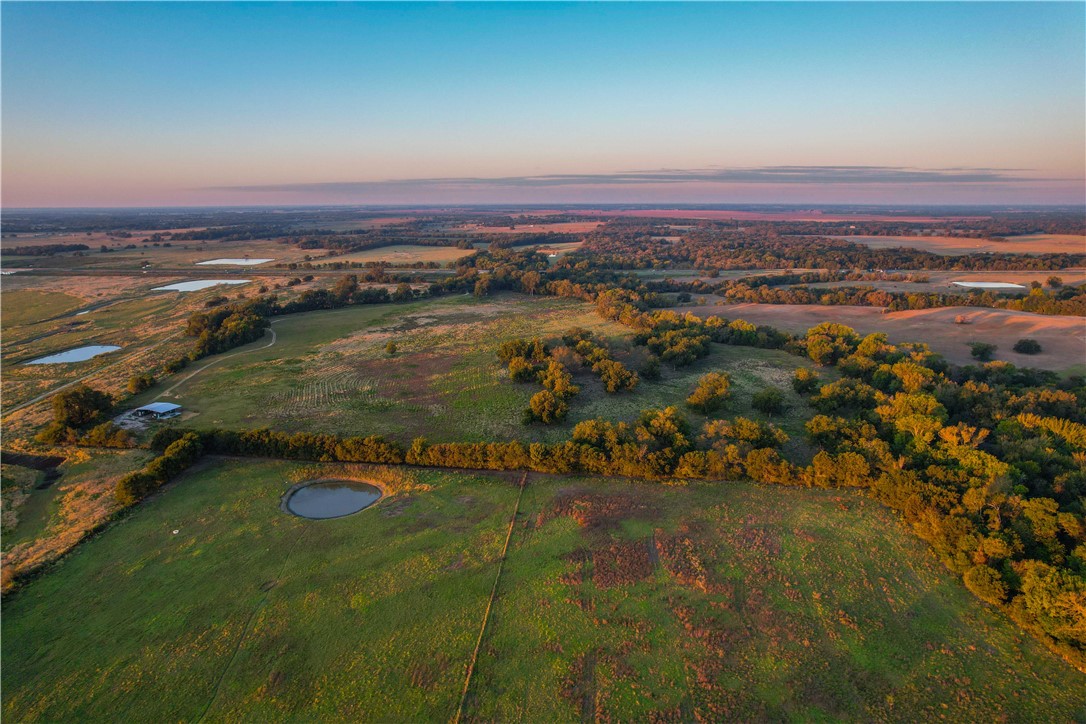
column 197, row 285
column 79, row 354
column 234, row 262
column 331, row 498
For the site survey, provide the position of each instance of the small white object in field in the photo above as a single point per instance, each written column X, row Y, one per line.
column 176, row 532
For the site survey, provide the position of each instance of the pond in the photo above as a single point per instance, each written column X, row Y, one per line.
column 79, row 354
column 197, row 285
column 234, row 262
column 323, row 499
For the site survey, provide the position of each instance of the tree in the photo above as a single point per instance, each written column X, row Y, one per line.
column 530, row 281
column 391, row 348
column 80, row 406
column 139, row 383
column 547, row 408
column 711, row 393
column 1055, row 282
column 769, row 401
column 1027, row 346
column 982, row 351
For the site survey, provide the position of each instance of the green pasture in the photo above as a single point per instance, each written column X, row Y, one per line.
column 618, row 600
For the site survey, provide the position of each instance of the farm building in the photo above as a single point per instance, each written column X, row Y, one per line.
column 158, row 410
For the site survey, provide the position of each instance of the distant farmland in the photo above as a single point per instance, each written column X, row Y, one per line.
column 1062, row 338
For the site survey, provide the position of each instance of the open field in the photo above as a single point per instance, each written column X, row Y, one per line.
column 404, row 254
column 26, row 307
column 558, row 227
column 328, row 372
column 954, row 246
column 46, row 523
column 618, row 601
column 179, row 254
column 941, row 281
column 1063, row 339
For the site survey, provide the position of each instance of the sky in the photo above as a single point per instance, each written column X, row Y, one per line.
column 161, row 104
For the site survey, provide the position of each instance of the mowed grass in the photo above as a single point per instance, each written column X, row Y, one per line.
column 735, row 602
column 25, row 306
column 329, row 372
column 249, row 612
column 618, row 600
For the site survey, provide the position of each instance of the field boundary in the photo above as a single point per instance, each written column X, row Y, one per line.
column 489, row 603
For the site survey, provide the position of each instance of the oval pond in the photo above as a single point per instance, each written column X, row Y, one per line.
column 332, row 498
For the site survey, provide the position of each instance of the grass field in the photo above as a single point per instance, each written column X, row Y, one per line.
column 956, row 246
column 328, row 371
column 618, row 601
column 26, row 306
column 404, row 254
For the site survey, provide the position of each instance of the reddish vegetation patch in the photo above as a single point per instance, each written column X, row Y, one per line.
column 621, row 564
column 681, row 557
column 596, row 510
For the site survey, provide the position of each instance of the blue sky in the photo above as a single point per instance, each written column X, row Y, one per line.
column 149, row 103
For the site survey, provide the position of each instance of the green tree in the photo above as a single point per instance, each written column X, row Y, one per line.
column 770, row 401
column 547, row 408
column 1027, row 346
column 982, row 351
column 139, row 383
column 81, row 405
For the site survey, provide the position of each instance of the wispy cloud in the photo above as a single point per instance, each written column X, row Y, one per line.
column 760, row 175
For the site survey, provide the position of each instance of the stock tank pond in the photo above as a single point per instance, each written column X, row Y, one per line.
column 322, row 499
column 79, row 354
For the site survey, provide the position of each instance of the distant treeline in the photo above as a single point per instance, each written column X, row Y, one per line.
column 764, row 248
column 42, row 249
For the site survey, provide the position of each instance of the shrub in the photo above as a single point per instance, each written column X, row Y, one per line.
column 521, row 370
column 1027, row 346
column 391, row 348
column 651, row 369
column 615, row 376
column 108, row 435
column 711, row 393
column 805, row 381
column 547, row 408
column 769, row 401
column 139, row 383
column 982, row 351
column 57, row 434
